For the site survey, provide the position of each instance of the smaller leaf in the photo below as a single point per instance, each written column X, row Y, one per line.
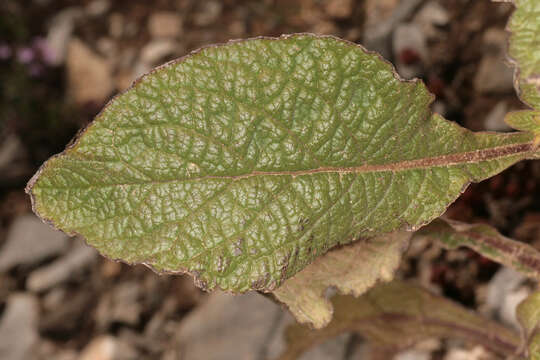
column 397, row 315
column 487, row 241
column 523, row 50
column 526, row 120
column 528, row 313
column 351, row 269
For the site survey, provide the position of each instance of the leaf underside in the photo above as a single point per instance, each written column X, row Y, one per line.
column 487, row 241
column 524, row 50
column 352, row 269
column 528, row 314
column 397, row 315
column 241, row 163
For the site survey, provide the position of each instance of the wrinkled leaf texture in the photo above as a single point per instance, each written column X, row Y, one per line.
column 242, row 163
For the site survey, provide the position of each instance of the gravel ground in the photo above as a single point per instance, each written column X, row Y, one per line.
column 60, row 61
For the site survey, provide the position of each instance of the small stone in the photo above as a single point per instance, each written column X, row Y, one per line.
column 495, row 119
column 157, row 50
column 18, row 327
column 378, row 11
column 476, row 353
column 53, row 299
column 110, row 268
column 101, row 348
column 78, row 259
column 504, row 292
column 334, row 348
column 89, row 75
column 382, row 18
column 49, row 350
column 244, row 327
column 98, row 7
column 493, row 74
column 410, row 48
column 59, row 33
column 165, row 24
column 121, row 305
column 30, row 241
column 207, row 13
column 339, row 8
column 66, row 311
column 510, row 304
column 430, row 16
column 234, row 327
column 107, row 347
column 107, row 47
column 413, row 354
column 495, row 40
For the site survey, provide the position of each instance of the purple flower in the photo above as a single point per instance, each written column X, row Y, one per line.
column 47, row 54
column 25, row 55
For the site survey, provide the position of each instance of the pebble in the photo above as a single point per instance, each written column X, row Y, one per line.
column 157, row 50
column 78, row 259
column 378, row 11
column 476, row 353
column 247, row 327
column 339, row 8
column 60, row 32
column 98, row 7
column 121, row 305
column 510, row 304
column 409, row 39
column 30, row 241
column 430, row 17
column 208, row 13
column 493, row 74
column 89, row 75
column 504, row 293
column 101, row 348
column 18, row 327
column 165, row 24
column 234, row 327
column 107, row 347
column 495, row 119
column 377, row 33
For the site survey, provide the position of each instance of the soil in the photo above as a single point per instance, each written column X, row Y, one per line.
column 38, row 113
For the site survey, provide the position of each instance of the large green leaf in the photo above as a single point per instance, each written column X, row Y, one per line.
column 487, row 241
column 242, row 163
column 524, row 50
column 528, row 313
column 351, row 269
column 395, row 316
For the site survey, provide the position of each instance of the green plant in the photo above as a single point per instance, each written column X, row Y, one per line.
column 275, row 164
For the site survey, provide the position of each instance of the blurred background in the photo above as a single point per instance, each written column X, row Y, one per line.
column 62, row 60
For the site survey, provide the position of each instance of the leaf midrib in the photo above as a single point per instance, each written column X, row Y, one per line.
column 468, row 157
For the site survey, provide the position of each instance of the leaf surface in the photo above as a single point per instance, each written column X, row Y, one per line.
column 528, row 313
column 396, row 316
column 241, row 163
column 487, row 241
column 352, row 269
column 524, row 50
